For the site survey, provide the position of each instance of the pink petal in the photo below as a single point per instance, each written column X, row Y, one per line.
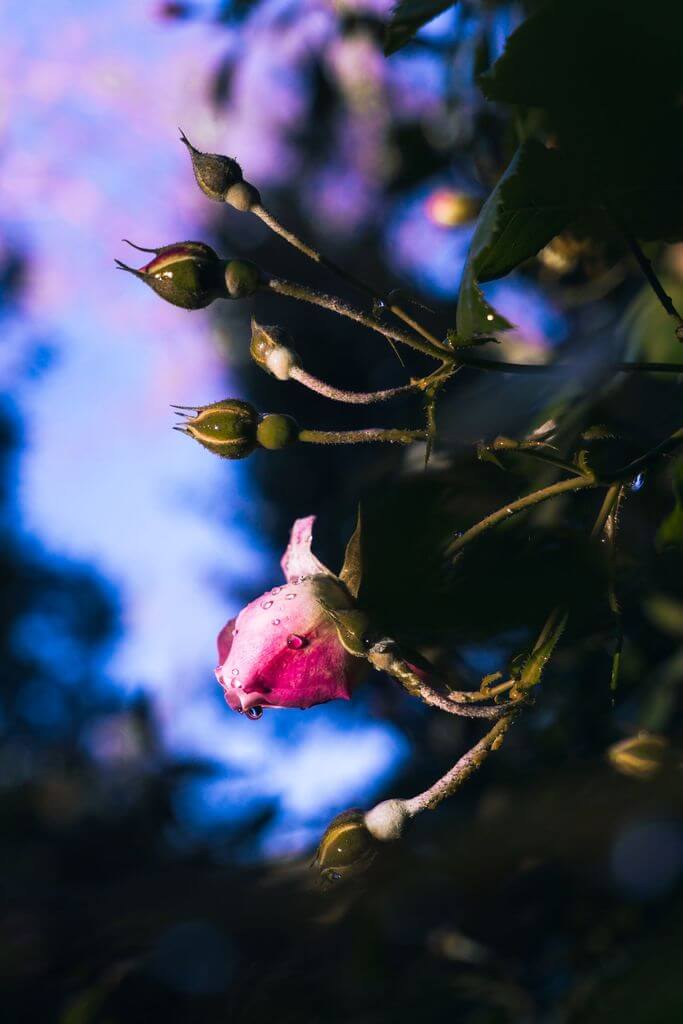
column 286, row 653
column 224, row 640
column 298, row 559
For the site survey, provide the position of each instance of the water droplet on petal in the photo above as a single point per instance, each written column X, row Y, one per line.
column 637, row 482
column 295, row 642
column 276, row 622
column 255, row 712
column 267, row 604
column 276, row 590
column 235, row 672
column 289, row 597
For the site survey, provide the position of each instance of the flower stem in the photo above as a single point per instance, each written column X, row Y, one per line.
column 527, row 501
column 350, row 397
column 648, row 271
column 305, row 294
column 499, row 366
column 313, row 254
column 533, row 449
column 665, row 447
column 371, row 434
column 386, row 656
column 461, row 770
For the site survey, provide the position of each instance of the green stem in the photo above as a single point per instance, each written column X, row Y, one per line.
column 525, row 369
column 527, row 501
column 321, row 387
column 461, row 770
column 305, row 294
column 648, row 271
column 371, row 434
column 666, row 447
column 386, row 656
column 532, row 449
column 313, row 254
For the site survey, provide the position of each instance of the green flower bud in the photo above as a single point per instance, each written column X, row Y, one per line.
column 242, row 278
column 227, row 428
column 277, row 431
column 641, row 756
column 186, row 274
column 220, row 178
column 215, row 174
column 346, row 848
column 269, row 349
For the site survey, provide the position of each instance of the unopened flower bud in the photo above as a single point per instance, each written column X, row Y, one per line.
column 242, row 278
column 220, row 178
column 187, row 274
column 641, row 756
column 346, row 848
column 227, row 428
column 215, row 174
column 387, row 821
column 269, row 348
column 277, row 431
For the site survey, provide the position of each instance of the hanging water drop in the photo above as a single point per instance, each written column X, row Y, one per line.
column 254, row 712
column 637, row 482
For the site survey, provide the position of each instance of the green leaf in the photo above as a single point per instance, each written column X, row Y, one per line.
column 604, row 77
column 536, row 198
column 352, row 570
column 407, row 17
column 670, row 533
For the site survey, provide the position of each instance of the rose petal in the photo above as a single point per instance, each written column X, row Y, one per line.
column 224, row 640
column 298, row 559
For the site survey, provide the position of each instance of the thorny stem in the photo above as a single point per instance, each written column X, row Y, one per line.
column 556, row 621
column 371, row 434
column 264, row 215
column 350, row 397
column 527, row 501
column 305, row 294
column 665, row 447
column 386, row 656
column 534, row 449
column 461, row 770
column 646, row 266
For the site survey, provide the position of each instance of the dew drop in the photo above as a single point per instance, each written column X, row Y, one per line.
column 289, row 597
column 255, row 712
column 235, row 672
column 637, row 482
column 267, row 604
column 276, row 590
column 295, row 642
column 276, row 622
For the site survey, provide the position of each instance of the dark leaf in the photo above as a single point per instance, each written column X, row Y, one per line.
column 352, row 570
column 538, row 196
column 606, row 77
column 407, row 17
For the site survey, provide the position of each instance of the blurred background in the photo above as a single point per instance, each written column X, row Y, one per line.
column 156, row 846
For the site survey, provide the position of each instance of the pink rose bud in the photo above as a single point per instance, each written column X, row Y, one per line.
column 283, row 650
